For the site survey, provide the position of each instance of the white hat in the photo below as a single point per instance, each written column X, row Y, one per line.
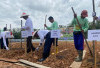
column 34, row 33
column 24, row 14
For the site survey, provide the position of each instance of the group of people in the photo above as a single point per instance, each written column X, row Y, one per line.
column 46, row 34
column 42, row 34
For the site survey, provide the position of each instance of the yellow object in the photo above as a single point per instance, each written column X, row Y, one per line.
column 56, row 49
column 53, row 53
column 77, row 27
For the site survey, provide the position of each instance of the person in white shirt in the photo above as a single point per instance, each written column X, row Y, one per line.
column 29, row 28
column 4, row 40
column 97, row 18
column 41, row 34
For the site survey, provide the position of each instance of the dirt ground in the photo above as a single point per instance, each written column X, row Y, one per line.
column 9, row 65
column 62, row 60
column 88, row 61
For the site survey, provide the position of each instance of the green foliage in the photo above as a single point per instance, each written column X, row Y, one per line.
column 16, row 33
column 67, row 35
column 96, row 25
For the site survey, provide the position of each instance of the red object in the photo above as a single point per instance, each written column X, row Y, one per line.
column 84, row 13
column 10, row 33
column 23, row 13
column 32, row 33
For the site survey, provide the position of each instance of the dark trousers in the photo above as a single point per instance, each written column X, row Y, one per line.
column 29, row 44
column 56, row 42
column 2, row 44
column 47, row 45
column 78, row 40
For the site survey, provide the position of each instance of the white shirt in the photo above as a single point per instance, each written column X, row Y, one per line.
column 28, row 27
column 42, row 34
column 3, row 35
column 99, row 18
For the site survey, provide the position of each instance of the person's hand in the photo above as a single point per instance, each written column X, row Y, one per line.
column 95, row 18
column 45, row 25
column 40, row 44
column 37, row 48
column 82, row 31
column 93, row 14
column 22, row 29
column 75, row 15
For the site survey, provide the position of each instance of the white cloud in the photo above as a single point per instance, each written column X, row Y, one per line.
column 10, row 11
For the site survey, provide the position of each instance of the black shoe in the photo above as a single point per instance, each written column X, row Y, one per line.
column 41, row 60
column 33, row 49
column 28, row 51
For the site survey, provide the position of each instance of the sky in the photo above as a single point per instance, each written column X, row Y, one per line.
column 11, row 10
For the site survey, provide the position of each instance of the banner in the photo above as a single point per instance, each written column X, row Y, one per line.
column 55, row 34
column 24, row 34
column 93, row 35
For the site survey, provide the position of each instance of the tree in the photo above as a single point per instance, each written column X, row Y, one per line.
column 17, row 33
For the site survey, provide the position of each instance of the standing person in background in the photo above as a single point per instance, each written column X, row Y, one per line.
column 4, row 40
column 29, row 28
column 49, row 40
column 97, row 18
column 54, row 26
column 78, row 36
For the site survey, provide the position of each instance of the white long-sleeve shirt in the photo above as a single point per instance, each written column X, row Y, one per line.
column 28, row 27
column 42, row 34
column 3, row 35
column 99, row 18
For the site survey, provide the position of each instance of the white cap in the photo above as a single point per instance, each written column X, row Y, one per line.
column 24, row 14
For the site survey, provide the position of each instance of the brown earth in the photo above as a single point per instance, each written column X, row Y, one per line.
column 61, row 60
column 9, row 65
column 88, row 61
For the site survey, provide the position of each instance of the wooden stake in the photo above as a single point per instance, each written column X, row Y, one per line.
column 21, row 36
column 56, row 49
column 10, row 38
column 45, row 20
column 94, row 51
column 25, row 47
column 95, row 55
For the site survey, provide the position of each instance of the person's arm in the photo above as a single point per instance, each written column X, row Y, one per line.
column 72, row 22
column 28, row 25
column 41, row 40
column 49, row 28
column 25, row 28
column 41, row 37
column 86, row 26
